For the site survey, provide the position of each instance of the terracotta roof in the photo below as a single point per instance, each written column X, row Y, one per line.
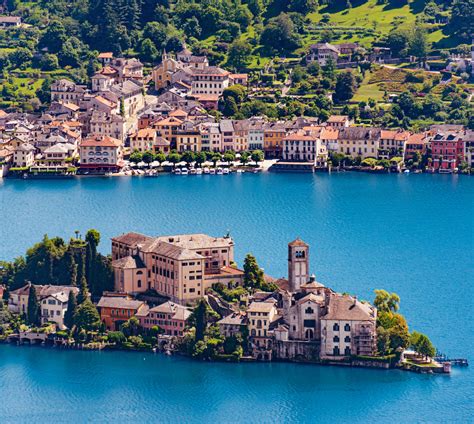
column 345, row 307
column 119, row 302
column 101, row 140
column 145, row 133
column 298, row 242
column 197, row 241
column 178, row 113
column 129, row 262
column 132, row 239
column 329, row 133
column 106, row 55
column 178, row 311
column 261, row 307
column 338, row 118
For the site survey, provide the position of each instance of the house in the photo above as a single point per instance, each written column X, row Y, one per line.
column 24, row 156
column 211, row 140
column 359, row 141
column 233, row 324
column 170, row 317
column 262, row 318
column 304, row 146
column 339, row 121
column 392, row 143
column 227, row 131
column 348, row 328
column 105, row 58
column 273, row 136
column 322, row 53
column 52, row 300
column 143, row 140
column 179, row 267
column 447, row 150
column 117, row 309
column 10, row 21
column 188, row 138
column 101, row 153
column 416, row 144
column 468, row 148
column 256, row 127
column 211, row 80
column 66, row 91
column 240, row 136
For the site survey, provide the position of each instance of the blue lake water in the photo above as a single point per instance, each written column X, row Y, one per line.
column 412, row 234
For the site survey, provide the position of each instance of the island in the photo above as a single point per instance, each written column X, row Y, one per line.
column 185, row 294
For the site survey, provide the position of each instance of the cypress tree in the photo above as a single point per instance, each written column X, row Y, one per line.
column 71, row 268
column 71, row 310
column 33, row 311
column 83, row 291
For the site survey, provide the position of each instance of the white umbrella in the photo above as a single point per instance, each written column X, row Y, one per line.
column 133, row 164
column 207, row 163
column 182, row 163
column 141, row 164
column 166, row 163
column 237, row 156
column 155, row 164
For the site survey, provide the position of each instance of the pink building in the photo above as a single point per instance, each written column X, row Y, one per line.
column 168, row 316
column 447, row 150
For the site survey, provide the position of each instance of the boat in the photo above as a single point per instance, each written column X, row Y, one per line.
column 177, row 171
column 199, row 171
column 212, row 171
column 184, row 171
column 407, row 171
column 219, row 171
column 193, row 171
column 226, row 171
column 206, row 170
column 240, row 171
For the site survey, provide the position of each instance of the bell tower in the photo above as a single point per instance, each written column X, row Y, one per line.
column 298, row 264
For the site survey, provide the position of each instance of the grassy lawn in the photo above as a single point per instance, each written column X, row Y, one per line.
column 368, row 90
column 369, row 14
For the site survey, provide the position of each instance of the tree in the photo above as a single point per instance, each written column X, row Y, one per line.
column 345, row 87
column 280, row 34
column 174, row 158
column 424, row 346
column 386, row 302
column 148, row 157
column 136, row 156
column 257, row 156
column 54, row 37
column 253, row 274
column 33, row 314
column 244, row 157
column 87, row 317
column 188, row 156
column 397, row 41
column 148, row 51
column 239, row 54
column 462, row 17
column 199, row 318
column 131, row 327
column 71, row 310
column 49, row 62
column 156, row 32
column 200, row 158
column 418, row 43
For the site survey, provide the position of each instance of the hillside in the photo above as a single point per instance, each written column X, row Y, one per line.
column 267, row 38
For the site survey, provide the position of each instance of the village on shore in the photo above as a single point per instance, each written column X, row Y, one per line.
column 185, row 294
column 114, row 127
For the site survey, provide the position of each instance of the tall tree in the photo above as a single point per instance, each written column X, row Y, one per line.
column 87, row 317
column 33, row 314
column 253, row 274
column 386, row 302
column 71, row 310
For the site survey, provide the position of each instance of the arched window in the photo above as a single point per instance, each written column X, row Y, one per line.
column 347, row 327
column 347, row 351
column 253, row 332
column 259, row 323
column 309, row 334
column 309, row 310
column 336, row 351
column 347, row 339
column 139, row 272
column 336, row 339
column 335, row 327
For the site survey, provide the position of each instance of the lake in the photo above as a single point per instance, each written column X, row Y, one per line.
column 412, row 234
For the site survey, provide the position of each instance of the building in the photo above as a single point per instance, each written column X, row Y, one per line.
column 209, row 81
column 305, row 146
column 339, row 121
column 227, row 132
column 143, row 140
column 66, row 91
column 262, row 318
column 359, row 142
column 179, row 267
column 52, row 300
column 24, row 156
column 416, row 144
column 170, row 317
column 348, row 328
column 322, row 53
column 10, row 21
column 298, row 264
column 211, row 140
column 392, row 143
column 447, row 150
column 273, row 139
column 101, row 153
column 117, row 309
column 188, row 138
column 233, row 324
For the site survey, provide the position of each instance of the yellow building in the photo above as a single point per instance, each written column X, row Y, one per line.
column 273, row 136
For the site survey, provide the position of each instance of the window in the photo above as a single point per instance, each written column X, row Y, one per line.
column 336, row 351
column 335, row 327
column 309, row 323
column 336, row 339
column 347, row 351
column 347, row 339
column 139, row 283
column 309, row 310
column 347, row 327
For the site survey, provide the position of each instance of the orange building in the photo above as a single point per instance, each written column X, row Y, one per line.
column 273, row 135
column 115, row 310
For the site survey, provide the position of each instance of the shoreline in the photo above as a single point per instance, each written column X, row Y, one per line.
column 437, row 368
